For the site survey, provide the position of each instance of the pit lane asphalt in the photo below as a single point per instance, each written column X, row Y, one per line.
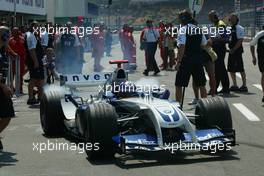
column 245, row 159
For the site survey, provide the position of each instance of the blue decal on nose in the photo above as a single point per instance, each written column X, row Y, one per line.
column 175, row 116
column 165, row 114
column 165, row 117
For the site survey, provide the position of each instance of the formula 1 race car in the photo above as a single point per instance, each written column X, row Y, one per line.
column 120, row 120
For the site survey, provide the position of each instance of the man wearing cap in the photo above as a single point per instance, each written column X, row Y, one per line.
column 189, row 59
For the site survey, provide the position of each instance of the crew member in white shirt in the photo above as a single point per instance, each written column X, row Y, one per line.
column 235, row 59
column 151, row 37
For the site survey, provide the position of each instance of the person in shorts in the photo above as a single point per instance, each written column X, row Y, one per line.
column 6, row 104
column 209, row 65
column 34, row 63
column 235, row 59
column 189, row 58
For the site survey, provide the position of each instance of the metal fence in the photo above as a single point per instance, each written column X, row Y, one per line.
column 253, row 18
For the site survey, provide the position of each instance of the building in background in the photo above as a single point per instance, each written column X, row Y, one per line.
column 61, row 11
column 26, row 11
column 252, row 15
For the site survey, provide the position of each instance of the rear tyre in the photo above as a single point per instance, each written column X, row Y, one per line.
column 101, row 127
column 51, row 113
column 213, row 112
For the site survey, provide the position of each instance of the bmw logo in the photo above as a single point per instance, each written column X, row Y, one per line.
column 167, row 111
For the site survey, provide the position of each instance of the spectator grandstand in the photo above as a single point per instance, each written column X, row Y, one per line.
column 136, row 12
column 224, row 7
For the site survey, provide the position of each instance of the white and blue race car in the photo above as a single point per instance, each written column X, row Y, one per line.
column 122, row 121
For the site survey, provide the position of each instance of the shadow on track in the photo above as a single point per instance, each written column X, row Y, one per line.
column 7, row 159
column 254, row 145
column 145, row 159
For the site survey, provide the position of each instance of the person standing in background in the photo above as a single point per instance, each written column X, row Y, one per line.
column 51, row 43
column 126, row 45
column 6, row 105
column 151, row 38
column 169, row 44
column 34, row 56
column 108, row 42
column 17, row 44
column 219, row 46
column 133, row 50
column 259, row 40
column 235, row 59
column 142, row 44
column 81, row 61
column 122, row 35
column 189, row 57
column 44, row 36
column 68, row 46
column 98, row 48
column 162, row 32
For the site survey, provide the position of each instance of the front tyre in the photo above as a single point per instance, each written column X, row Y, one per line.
column 100, row 129
column 51, row 113
column 213, row 112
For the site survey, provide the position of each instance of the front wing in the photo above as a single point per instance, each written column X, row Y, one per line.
column 206, row 139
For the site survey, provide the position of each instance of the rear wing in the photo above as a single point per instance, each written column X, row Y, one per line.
column 118, row 62
column 84, row 80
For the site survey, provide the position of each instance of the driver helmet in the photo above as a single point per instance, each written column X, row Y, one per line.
column 125, row 90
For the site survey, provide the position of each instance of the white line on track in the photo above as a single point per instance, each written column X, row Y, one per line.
column 246, row 112
column 258, row 86
column 12, row 128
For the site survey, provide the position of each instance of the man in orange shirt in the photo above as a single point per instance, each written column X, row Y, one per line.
column 17, row 44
